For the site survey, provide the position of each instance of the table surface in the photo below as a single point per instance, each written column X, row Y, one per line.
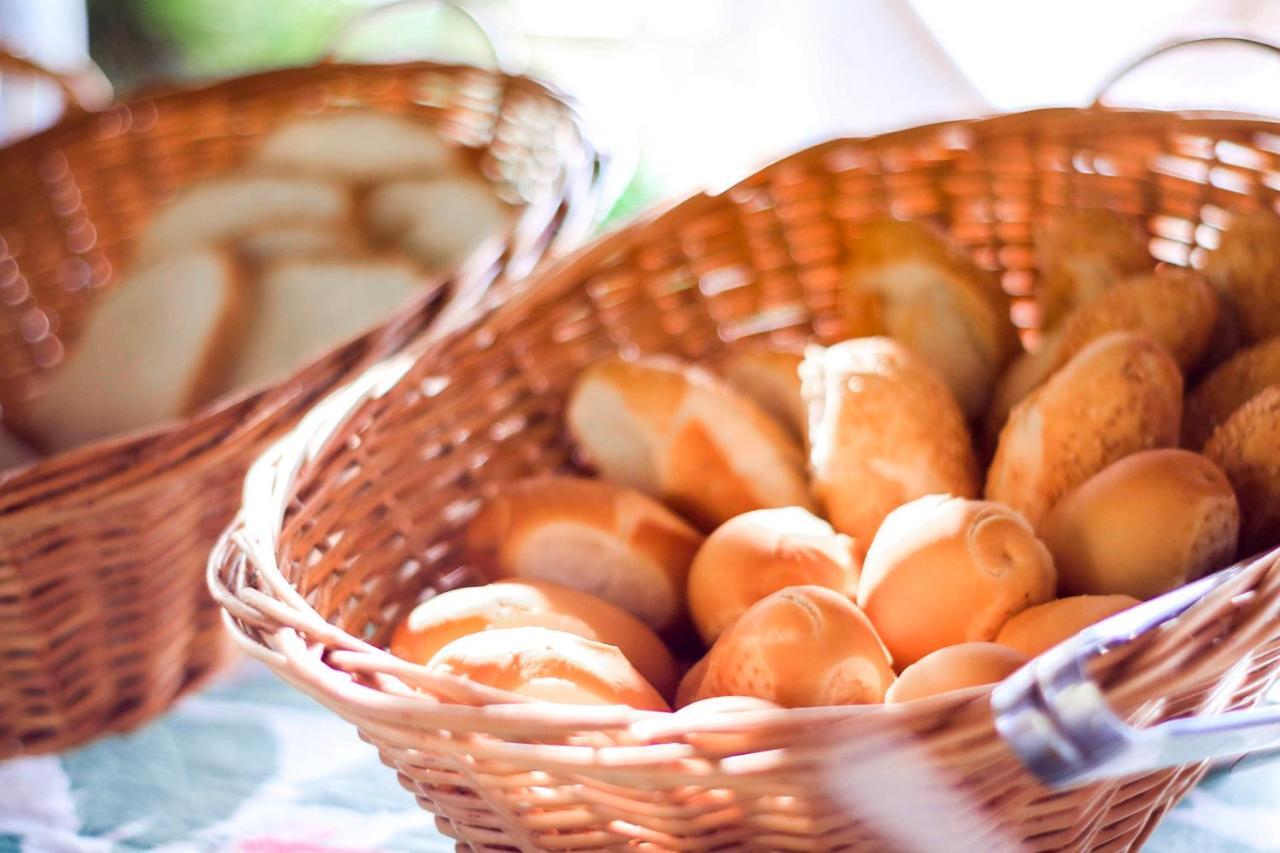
column 253, row 765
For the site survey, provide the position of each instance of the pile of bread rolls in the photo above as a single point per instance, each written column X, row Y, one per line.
column 814, row 528
column 335, row 221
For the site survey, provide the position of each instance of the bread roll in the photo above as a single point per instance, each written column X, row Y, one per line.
column 761, row 552
column 676, row 432
column 593, row 536
column 444, row 618
column 905, row 281
column 883, row 430
column 153, row 349
column 306, row 306
column 691, row 683
column 354, row 144
column 1245, row 268
column 944, row 570
column 1038, row 629
column 1081, row 253
column 235, row 206
column 1120, row 394
column 1232, row 384
column 1174, row 306
column 955, row 668
column 800, row 646
column 1143, row 525
column 439, row 221
column 1247, row 448
column 554, row 666
column 771, row 378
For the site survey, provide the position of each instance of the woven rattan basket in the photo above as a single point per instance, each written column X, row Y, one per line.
column 104, row 617
column 360, row 513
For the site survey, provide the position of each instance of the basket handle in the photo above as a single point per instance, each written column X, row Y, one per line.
column 498, row 38
column 1168, row 47
column 84, row 90
column 1058, row 722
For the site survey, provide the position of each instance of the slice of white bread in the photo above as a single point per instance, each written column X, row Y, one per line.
column 355, row 145
column 229, row 207
column 305, row 306
column 439, row 222
column 151, row 350
column 277, row 243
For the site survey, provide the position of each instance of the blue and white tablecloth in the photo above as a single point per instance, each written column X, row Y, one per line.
column 255, row 766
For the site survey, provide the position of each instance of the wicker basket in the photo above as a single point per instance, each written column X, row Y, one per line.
column 360, row 513
column 104, row 617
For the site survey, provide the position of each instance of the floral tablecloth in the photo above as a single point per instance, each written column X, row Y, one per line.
column 253, row 765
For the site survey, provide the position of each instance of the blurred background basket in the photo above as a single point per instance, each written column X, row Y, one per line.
column 361, row 511
column 104, row 616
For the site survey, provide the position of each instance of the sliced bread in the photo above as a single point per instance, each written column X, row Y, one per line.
column 305, row 306
column 229, row 207
column 152, row 350
column 355, row 145
column 439, row 222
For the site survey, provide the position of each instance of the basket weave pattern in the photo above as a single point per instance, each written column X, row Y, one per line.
column 104, row 616
column 362, row 510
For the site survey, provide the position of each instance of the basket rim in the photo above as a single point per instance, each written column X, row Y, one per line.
column 61, row 482
column 298, row 644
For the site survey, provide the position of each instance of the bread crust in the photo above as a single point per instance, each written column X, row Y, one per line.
column 1247, row 448
column 1232, row 384
column 1082, row 253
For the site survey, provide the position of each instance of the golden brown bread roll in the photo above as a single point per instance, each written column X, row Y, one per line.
column 761, row 552
column 955, row 668
column 1038, row 629
column 801, row 646
column 906, row 281
column 884, row 430
column 1247, row 448
column 554, row 666
column 691, row 683
column 1231, row 384
column 596, row 537
column 770, row 377
column 678, row 433
column 1143, row 525
column 1174, row 306
column 1120, row 394
column 444, row 618
column 1245, row 268
column 1081, row 254
column 944, row 570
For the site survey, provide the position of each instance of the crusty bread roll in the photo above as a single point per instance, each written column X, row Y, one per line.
column 1232, row 384
column 554, row 666
column 884, row 430
column 355, row 145
column 905, row 281
column 1247, row 448
column 1174, row 306
column 691, row 683
column 1143, row 525
column 234, row 206
column 761, row 552
column 303, row 307
column 439, row 221
column 955, row 668
column 1245, row 268
column 1120, row 394
column 771, row 378
column 944, row 570
column 153, row 349
column 1081, row 253
column 594, row 536
column 444, row 618
column 800, row 646
column 1040, row 628
column 676, row 432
